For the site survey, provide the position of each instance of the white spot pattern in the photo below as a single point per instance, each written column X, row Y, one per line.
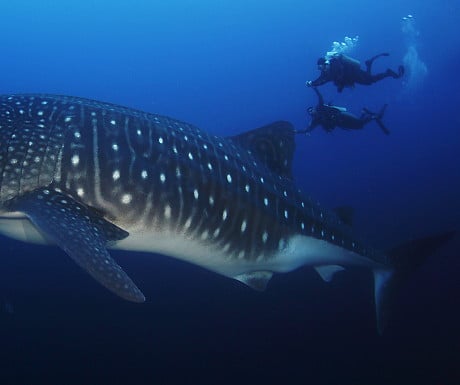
column 167, row 212
column 126, row 199
column 264, row 237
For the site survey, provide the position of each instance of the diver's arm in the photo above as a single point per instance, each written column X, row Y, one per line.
column 320, row 97
column 322, row 79
column 311, row 126
column 313, row 123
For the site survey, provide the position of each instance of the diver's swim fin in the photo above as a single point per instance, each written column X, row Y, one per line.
column 371, row 60
column 369, row 115
column 382, row 126
column 379, row 55
column 378, row 120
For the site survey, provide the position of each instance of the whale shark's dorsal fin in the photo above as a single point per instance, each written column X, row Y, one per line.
column 273, row 144
column 345, row 214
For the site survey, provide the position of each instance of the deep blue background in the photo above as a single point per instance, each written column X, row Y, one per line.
column 230, row 66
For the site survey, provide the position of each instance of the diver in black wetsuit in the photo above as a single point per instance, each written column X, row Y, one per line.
column 345, row 71
column 330, row 117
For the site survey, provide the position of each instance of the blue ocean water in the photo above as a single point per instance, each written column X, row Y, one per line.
column 227, row 67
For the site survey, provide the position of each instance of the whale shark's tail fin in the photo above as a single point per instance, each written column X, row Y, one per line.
column 404, row 260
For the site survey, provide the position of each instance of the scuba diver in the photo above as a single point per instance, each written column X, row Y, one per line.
column 329, row 117
column 345, row 71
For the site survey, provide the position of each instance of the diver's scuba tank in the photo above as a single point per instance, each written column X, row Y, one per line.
column 347, row 60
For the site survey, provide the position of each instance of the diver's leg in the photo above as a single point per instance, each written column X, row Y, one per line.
column 382, row 111
column 389, row 73
column 371, row 60
column 393, row 74
column 382, row 126
column 304, row 131
column 349, row 121
column 366, row 115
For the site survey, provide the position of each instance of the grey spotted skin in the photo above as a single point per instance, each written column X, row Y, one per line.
column 143, row 171
column 152, row 170
column 88, row 175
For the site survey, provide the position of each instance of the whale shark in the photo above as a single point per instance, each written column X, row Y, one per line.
column 89, row 176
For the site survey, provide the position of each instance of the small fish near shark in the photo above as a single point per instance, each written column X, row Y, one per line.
column 87, row 176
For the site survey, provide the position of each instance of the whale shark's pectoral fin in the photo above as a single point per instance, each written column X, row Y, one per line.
column 82, row 233
column 257, row 280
